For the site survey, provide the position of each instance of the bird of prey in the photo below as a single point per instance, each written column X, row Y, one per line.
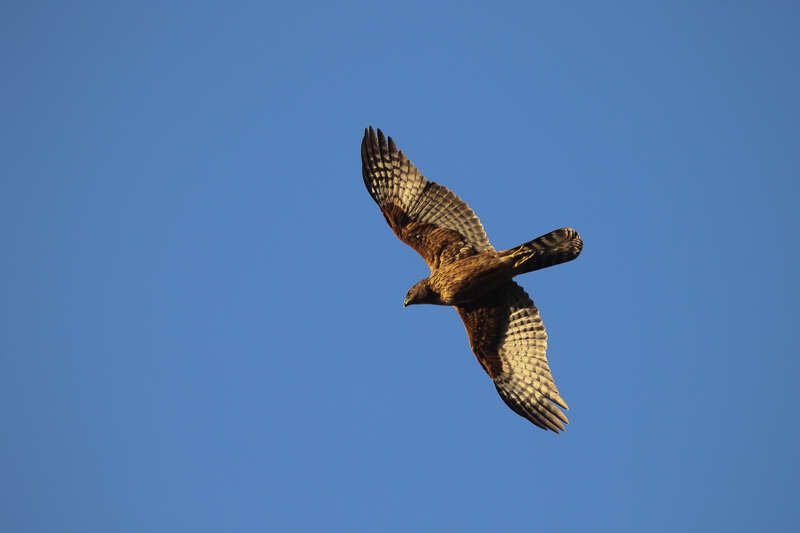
column 504, row 328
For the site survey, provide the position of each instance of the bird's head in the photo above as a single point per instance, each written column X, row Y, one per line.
column 420, row 293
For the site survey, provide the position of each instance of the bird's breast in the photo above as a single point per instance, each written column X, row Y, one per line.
column 470, row 278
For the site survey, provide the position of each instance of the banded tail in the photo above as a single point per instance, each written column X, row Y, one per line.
column 556, row 247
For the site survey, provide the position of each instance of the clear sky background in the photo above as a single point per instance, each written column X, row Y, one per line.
column 202, row 325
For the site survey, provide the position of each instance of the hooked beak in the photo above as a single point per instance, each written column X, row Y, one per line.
column 406, row 302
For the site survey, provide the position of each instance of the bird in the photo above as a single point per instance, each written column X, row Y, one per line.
column 503, row 325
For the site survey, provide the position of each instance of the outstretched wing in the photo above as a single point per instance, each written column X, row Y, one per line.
column 423, row 214
column 508, row 338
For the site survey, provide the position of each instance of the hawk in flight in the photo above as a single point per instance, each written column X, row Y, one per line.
column 504, row 328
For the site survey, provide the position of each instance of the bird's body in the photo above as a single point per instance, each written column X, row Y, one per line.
column 468, row 279
column 462, row 281
column 504, row 328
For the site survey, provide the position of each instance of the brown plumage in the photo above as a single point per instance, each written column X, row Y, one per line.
column 504, row 328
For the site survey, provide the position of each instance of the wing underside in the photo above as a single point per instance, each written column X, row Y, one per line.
column 423, row 214
column 508, row 338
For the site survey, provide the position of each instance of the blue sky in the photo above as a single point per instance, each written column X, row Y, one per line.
column 202, row 325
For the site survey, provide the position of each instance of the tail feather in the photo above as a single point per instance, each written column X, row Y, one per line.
column 556, row 247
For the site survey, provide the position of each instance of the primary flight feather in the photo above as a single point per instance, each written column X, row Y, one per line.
column 504, row 328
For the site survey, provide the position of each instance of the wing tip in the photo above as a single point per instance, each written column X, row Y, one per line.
column 370, row 137
column 554, row 422
column 381, row 139
column 558, row 400
column 377, row 137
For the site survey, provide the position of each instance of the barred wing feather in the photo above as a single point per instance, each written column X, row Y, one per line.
column 425, row 215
